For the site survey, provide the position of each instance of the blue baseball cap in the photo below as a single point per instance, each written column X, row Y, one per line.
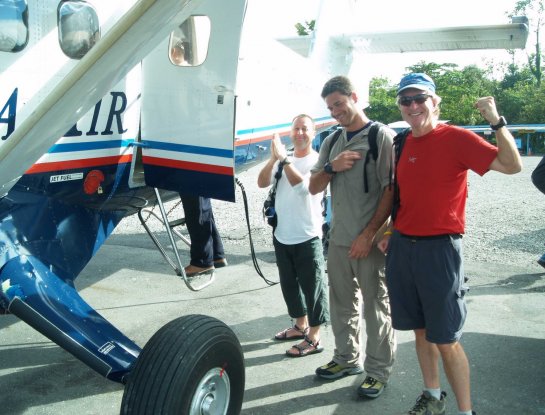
column 417, row 81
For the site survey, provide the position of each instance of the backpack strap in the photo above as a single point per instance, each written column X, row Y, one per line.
column 373, row 150
column 334, row 139
column 399, row 142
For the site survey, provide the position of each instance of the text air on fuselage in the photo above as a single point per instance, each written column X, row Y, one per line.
column 118, row 105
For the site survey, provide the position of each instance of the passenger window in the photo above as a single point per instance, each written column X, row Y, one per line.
column 188, row 44
column 78, row 28
column 13, row 25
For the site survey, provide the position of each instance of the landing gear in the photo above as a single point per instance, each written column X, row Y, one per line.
column 193, row 365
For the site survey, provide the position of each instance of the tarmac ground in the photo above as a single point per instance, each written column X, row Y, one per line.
column 130, row 284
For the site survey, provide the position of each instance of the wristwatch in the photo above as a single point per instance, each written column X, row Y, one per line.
column 285, row 161
column 501, row 123
column 328, row 168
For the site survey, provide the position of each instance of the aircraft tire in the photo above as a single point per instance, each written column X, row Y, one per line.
column 192, row 365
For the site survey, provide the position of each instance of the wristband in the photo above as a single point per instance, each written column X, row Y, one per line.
column 388, row 233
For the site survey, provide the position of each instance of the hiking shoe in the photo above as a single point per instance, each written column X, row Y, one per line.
column 334, row 370
column 428, row 405
column 371, row 387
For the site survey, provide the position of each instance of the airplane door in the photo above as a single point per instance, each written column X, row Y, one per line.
column 188, row 103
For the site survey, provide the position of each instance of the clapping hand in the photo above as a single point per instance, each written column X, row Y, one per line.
column 278, row 149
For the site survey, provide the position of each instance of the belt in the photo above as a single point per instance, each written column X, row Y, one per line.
column 431, row 237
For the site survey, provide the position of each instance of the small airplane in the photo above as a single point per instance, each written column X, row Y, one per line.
column 107, row 108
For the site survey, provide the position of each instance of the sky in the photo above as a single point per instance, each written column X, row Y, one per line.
column 386, row 15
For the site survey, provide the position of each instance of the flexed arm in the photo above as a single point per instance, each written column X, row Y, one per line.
column 508, row 160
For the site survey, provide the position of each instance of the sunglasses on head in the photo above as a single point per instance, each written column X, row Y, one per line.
column 419, row 99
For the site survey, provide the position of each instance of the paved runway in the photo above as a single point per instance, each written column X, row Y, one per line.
column 130, row 284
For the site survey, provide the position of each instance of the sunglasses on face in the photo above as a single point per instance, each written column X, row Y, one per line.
column 419, row 99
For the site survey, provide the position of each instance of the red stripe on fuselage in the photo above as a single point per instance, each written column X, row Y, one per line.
column 78, row 164
column 187, row 165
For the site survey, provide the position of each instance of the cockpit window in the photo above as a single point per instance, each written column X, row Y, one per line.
column 188, row 44
column 13, row 25
column 78, row 27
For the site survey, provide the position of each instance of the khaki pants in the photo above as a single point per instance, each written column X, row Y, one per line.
column 350, row 281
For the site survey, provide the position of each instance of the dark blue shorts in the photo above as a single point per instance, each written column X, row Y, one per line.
column 425, row 278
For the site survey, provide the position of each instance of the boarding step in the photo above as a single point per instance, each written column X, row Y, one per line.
column 194, row 284
column 177, row 222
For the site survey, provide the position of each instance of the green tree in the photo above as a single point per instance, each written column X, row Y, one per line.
column 537, row 9
column 305, row 29
column 513, row 93
column 433, row 69
column 460, row 90
column 382, row 101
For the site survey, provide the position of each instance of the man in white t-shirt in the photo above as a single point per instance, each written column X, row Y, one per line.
column 297, row 238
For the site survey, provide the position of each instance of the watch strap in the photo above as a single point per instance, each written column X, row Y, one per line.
column 501, row 123
column 328, row 168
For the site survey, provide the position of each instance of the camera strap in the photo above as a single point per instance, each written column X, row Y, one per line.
column 277, row 177
column 271, row 197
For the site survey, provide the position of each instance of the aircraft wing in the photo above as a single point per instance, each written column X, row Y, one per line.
column 127, row 43
column 505, row 36
column 508, row 36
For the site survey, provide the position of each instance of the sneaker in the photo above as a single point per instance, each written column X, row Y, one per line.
column 428, row 405
column 334, row 370
column 371, row 388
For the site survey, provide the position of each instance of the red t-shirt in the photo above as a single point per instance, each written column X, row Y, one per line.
column 432, row 179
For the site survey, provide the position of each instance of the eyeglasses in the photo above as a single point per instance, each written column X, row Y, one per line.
column 419, row 99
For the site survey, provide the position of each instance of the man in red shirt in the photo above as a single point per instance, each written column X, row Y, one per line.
column 424, row 266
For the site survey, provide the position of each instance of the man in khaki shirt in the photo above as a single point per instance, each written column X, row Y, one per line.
column 355, row 264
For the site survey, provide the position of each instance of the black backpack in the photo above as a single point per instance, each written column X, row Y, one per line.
column 399, row 142
column 373, row 148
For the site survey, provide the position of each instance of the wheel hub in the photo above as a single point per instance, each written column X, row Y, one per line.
column 212, row 394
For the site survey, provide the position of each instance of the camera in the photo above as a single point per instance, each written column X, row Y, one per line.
column 269, row 212
column 268, row 208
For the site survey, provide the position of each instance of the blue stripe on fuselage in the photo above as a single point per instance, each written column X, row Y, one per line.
column 91, row 145
column 277, row 126
column 186, row 148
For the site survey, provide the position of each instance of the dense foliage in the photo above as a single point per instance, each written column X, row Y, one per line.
column 519, row 96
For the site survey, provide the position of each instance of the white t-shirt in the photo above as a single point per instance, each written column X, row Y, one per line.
column 299, row 213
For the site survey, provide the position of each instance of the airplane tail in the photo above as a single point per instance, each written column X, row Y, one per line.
column 329, row 46
column 335, row 17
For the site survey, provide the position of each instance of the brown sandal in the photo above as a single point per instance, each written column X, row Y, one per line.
column 283, row 335
column 307, row 347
